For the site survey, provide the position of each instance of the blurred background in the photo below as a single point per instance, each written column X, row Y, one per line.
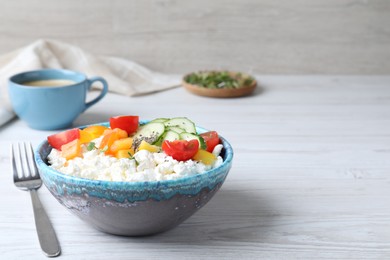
column 172, row 36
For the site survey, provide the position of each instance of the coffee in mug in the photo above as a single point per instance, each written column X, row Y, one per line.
column 49, row 83
column 51, row 99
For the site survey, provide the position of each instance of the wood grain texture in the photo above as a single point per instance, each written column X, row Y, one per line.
column 310, row 178
column 260, row 37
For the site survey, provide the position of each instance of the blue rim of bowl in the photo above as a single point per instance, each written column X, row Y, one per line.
column 149, row 185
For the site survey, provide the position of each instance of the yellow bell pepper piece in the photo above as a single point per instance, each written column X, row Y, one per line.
column 149, row 147
column 71, row 149
column 205, row 157
column 85, row 137
column 128, row 153
column 121, row 144
column 91, row 132
column 95, row 130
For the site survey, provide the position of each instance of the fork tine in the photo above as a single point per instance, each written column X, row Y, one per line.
column 31, row 162
column 14, row 168
column 23, row 161
column 19, row 163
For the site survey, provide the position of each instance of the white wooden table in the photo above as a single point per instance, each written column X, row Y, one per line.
column 310, row 178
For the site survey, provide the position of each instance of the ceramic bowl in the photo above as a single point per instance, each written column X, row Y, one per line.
column 221, row 92
column 133, row 208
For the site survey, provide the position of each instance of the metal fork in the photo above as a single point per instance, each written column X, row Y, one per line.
column 26, row 177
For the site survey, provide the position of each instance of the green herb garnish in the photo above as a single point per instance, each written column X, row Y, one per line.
column 91, row 146
column 219, row 79
column 131, row 157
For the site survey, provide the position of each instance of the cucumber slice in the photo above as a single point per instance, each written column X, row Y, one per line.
column 168, row 135
column 176, row 129
column 149, row 132
column 189, row 136
column 159, row 120
column 183, row 123
column 171, row 136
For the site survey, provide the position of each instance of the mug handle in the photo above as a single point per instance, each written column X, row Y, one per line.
column 102, row 94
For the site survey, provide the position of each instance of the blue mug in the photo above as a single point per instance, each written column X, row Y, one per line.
column 51, row 99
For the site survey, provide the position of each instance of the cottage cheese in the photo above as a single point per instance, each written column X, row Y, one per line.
column 145, row 166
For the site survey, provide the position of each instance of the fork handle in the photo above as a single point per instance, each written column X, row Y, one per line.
column 46, row 234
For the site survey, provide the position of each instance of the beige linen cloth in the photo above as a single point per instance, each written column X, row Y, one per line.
column 123, row 76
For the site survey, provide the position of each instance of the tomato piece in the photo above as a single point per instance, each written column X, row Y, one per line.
column 58, row 140
column 181, row 150
column 211, row 139
column 127, row 123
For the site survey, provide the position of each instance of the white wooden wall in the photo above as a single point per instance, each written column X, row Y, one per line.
column 257, row 36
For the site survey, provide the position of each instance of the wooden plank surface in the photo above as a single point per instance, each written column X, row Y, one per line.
column 255, row 36
column 310, row 178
